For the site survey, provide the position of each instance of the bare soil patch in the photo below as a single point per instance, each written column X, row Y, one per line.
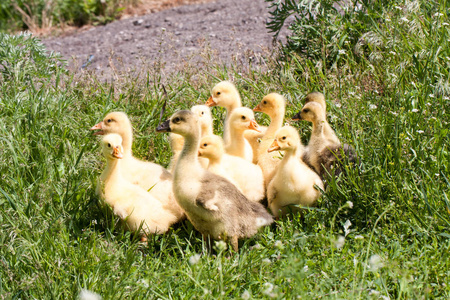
column 232, row 30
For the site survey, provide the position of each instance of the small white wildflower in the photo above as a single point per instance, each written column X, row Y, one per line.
column 412, row 82
column 420, row 131
column 431, row 95
column 436, row 174
column 220, row 245
column 194, row 259
column 256, row 246
column 359, row 237
column 375, row 262
column 373, row 292
column 88, row 295
column 338, row 105
column 438, row 14
column 414, row 110
column 206, row 292
column 305, row 268
column 404, row 19
column 341, row 52
column 279, row 244
column 339, row 243
column 268, row 289
column 347, row 225
column 392, row 52
column 266, row 261
column 163, row 29
column 143, row 282
column 394, row 113
column 407, row 138
column 373, row 106
column 245, row 295
column 444, row 24
column 428, row 104
column 350, row 204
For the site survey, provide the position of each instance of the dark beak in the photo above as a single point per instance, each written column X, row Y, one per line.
column 297, row 116
column 164, row 126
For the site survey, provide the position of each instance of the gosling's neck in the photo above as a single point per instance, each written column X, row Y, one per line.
column 112, row 170
column 276, row 122
column 127, row 141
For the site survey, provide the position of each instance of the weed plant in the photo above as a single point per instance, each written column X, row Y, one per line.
column 381, row 232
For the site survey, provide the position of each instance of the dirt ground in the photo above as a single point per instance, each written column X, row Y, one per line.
column 231, row 29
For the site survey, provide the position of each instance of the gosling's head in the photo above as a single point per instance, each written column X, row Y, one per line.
column 224, row 94
column 271, row 104
column 183, row 122
column 311, row 112
column 115, row 122
column 111, row 145
column 243, row 118
column 316, row 97
column 204, row 116
column 286, row 139
column 211, row 147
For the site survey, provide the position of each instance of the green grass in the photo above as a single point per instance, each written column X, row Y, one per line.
column 57, row 237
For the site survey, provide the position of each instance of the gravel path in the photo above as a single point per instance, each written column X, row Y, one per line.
column 231, row 28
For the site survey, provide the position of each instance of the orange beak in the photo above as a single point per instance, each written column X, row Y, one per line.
column 117, row 153
column 274, row 146
column 98, row 126
column 258, row 108
column 254, row 126
column 199, row 152
column 210, row 102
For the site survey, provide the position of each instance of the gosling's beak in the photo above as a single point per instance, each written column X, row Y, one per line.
column 258, row 108
column 297, row 117
column 98, row 126
column 253, row 125
column 117, row 152
column 274, row 146
column 164, row 126
column 199, row 152
column 210, row 102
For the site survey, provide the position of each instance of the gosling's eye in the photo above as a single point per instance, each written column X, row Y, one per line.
column 203, row 112
column 306, row 110
column 109, row 145
column 109, row 120
column 176, row 120
column 264, row 102
column 243, row 117
column 283, row 138
column 205, row 144
column 218, row 93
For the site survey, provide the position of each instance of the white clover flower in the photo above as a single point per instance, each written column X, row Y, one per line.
column 88, row 295
column 220, row 245
column 338, row 105
column 373, row 106
column 245, row 295
column 279, row 244
column 349, row 203
column 414, row 110
column 420, row 131
column 143, row 282
column 375, row 262
column 305, row 268
column 431, row 95
column 341, row 52
column 266, row 261
column 339, row 243
column 347, row 225
column 194, row 259
column 436, row 174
